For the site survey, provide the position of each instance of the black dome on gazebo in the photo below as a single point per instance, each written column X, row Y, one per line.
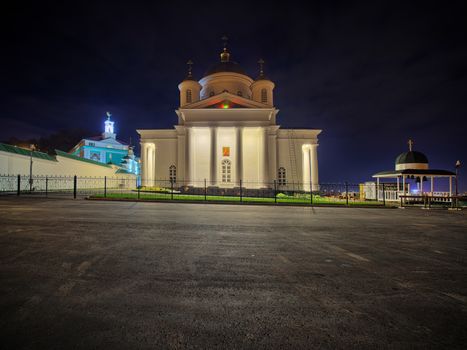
column 411, row 157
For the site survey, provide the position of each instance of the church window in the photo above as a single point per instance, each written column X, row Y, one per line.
column 211, row 94
column 173, row 173
column 239, row 93
column 264, row 96
column 226, row 171
column 188, row 96
column 281, row 177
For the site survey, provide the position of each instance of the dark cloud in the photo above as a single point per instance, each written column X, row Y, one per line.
column 370, row 74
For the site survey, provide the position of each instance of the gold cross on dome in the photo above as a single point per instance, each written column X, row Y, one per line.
column 225, row 40
column 190, row 64
column 261, row 63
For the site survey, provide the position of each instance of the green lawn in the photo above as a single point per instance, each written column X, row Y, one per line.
column 193, row 197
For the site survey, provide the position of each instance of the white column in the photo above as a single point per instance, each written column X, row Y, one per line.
column 306, row 166
column 432, row 185
column 403, row 185
column 144, row 170
column 151, row 155
column 314, row 167
column 213, row 160
column 397, row 184
column 265, row 157
column 239, row 164
column 188, row 157
column 272, row 151
column 377, row 188
column 154, row 163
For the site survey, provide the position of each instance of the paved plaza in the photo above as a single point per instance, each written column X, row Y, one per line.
column 79, row 274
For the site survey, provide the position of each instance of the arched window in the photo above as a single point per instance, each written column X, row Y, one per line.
column 211, row 94
column 188, row 96
column 264, row 96
column 226, row 170
column 173, row 174
column 239, row 93
column 281, row 177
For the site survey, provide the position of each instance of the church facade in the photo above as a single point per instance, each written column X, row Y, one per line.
column 227, row 132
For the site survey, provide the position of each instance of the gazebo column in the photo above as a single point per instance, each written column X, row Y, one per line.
column 397, row 179
column 403, row 187
column 421, row 185
column 377, row 188
column 432, row 185
column 450, row 186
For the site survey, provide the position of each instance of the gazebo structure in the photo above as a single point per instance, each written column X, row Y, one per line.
column 412, row 165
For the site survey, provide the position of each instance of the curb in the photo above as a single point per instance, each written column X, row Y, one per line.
column 240, row 203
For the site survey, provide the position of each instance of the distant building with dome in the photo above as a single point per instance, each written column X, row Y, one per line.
column 411, row 172
column 107, row 149
column 227, row 132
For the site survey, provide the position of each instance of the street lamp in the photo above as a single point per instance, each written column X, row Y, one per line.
column 458, row 165
column 33, row 148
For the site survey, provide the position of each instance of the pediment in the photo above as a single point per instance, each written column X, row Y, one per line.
column 225, row 100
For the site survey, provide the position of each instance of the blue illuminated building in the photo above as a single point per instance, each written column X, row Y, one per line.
column 107, row 149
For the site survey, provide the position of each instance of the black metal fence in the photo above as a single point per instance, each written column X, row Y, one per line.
column 273, row 192
column 126, row 188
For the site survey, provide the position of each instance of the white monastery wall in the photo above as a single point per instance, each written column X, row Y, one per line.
column 17, row 164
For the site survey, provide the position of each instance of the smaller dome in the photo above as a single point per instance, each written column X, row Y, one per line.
column 411, row 157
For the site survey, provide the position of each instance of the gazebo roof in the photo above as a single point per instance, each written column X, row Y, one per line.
column 425, row 172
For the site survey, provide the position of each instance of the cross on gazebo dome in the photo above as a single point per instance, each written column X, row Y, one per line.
column 410, row 143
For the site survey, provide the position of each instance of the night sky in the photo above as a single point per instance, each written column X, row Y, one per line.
column 370, row 74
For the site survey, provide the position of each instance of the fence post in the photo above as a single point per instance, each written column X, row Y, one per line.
column 75, row 180
column 275, row 192
column 346, row 193
column 105, row 186
column 311, row 194
column 171, row 189
column 19, row 185
column 384, row 196
column 241, row 197
column 205, row 191
column 46, row 186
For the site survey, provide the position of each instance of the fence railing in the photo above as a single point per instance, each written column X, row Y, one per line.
column 274, row 192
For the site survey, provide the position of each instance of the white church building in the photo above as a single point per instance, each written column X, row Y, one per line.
column 227, row 132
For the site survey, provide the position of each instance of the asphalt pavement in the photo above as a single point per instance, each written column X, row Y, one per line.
column 79, row 274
